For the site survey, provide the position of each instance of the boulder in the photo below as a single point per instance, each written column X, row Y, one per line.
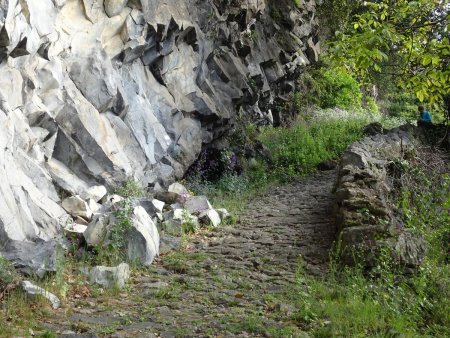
column 178, row 189
column 93, row 206
column 210, row 217
column 95, row 193
column 31, row 258
column 101, row 91
column 143, row 240
column 109, row 277
column 197, row 204
column 77, row 207
column 410, row 250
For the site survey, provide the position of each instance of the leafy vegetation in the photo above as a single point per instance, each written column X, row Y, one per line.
column 330, row 87
column 405, row 41
column 295, row 151
column 8, row 275
column 130, row 188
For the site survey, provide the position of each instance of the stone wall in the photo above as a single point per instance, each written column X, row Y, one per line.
column 93, row 92
column 366, row 218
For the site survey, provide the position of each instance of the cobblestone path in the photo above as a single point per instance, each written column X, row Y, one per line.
column 225, row 283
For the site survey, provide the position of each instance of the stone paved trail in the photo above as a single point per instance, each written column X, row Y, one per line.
column 226, row 282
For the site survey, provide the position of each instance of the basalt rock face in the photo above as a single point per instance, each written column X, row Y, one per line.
column 93, row 92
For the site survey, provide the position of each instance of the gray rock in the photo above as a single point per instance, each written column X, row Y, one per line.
column 32, row 289
column 32, row 258
column 164, row 80
column 159, row 205
column 77, row 207
column 114, row 7
column 169, row 243
column 95, row 193
column 110, row 276
column 411, row 250
column 143, row 240
column 367, row 222
column 197, row 204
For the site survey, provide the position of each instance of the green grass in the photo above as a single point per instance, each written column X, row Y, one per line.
column 296, row 151
column 299, row 149
column 352, row 302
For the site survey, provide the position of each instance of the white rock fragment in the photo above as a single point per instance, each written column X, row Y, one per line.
column 96, row 193
column 75, row 228
column 159, row 205
column 94, row 206
column 210, row 217
column 32, row 289
column 77, row 207
column 143, row 240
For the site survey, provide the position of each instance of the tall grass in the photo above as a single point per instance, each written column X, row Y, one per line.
column 299, row 149
column 296, row 151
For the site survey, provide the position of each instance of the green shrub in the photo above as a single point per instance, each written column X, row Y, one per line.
column 189, row 224
column 113, row 250
column 332, row 87
column 130, row 188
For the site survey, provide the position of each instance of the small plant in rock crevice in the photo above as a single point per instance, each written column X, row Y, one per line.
column 130, row 188
column 113, row 251
column 8, row 276
column 189, row 225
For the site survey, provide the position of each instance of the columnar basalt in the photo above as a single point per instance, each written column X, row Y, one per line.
column 93, row 92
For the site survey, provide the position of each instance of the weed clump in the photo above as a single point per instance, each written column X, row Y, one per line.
column 8, row 276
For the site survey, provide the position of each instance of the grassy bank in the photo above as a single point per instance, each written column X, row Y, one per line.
column 295, row 151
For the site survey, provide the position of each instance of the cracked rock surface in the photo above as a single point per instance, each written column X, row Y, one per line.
column 93, row 92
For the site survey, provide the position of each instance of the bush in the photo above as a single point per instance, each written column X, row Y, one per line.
column 330, row 88
column 130, row 188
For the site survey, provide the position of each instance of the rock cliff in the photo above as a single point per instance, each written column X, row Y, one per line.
column 93, row 92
